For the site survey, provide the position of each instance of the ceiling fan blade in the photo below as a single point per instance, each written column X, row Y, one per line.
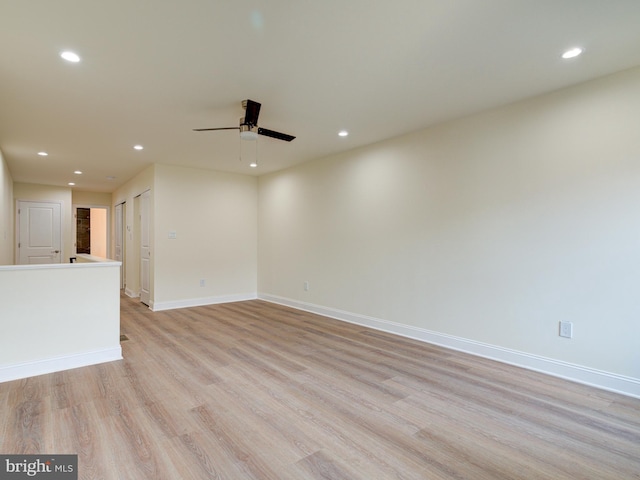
column 270, row 133
column 209, row 129
column 252, row 112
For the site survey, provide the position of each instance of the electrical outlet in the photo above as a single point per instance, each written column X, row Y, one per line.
column 566, row 329
column 202, row 283
column 306, row 286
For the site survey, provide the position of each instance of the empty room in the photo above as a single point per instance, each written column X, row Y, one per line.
column 320, row 240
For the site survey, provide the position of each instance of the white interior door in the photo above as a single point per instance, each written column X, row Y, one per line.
column 39, row 233
column 145, row 249
column 119, row 240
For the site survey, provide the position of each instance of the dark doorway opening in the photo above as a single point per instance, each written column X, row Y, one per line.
column 83, row 230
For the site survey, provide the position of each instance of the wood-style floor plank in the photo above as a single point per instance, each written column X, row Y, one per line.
column 253, row 390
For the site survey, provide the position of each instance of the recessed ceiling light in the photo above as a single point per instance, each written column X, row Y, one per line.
column 43, row 154
column 343, row 133
column 138, row 147
column 70, row 56
column 574, row 52
column 253, row 164
column 71, row 184
column 78, row 172
column 110, row 177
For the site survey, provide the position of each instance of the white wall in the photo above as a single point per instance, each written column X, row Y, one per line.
column 6, row 214
column 56, row 317
column 214, row 218
column 91, row 198
column 489, row 229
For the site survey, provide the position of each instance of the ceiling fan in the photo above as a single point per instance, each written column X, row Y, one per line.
column 249, row 129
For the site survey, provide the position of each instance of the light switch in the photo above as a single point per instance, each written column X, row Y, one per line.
column 173, row 235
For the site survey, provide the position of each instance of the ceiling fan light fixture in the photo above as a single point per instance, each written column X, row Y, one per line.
column 246, row 133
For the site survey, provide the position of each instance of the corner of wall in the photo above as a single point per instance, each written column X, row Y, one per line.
column 6, row 213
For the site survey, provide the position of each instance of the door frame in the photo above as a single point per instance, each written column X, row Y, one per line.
column 74, row 209
column 122, row 206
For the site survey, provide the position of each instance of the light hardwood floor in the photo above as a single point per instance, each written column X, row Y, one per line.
column 253, row 390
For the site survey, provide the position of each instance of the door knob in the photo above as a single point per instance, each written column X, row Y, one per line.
column 55, row 251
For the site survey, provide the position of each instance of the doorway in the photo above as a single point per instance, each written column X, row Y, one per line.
column 92, row 230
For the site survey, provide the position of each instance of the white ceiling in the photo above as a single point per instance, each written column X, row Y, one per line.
column 152, row 70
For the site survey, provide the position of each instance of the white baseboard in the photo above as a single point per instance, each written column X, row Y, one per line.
column 197, row 302
column 131, row 293
column 607, row 381
column 57, row 364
